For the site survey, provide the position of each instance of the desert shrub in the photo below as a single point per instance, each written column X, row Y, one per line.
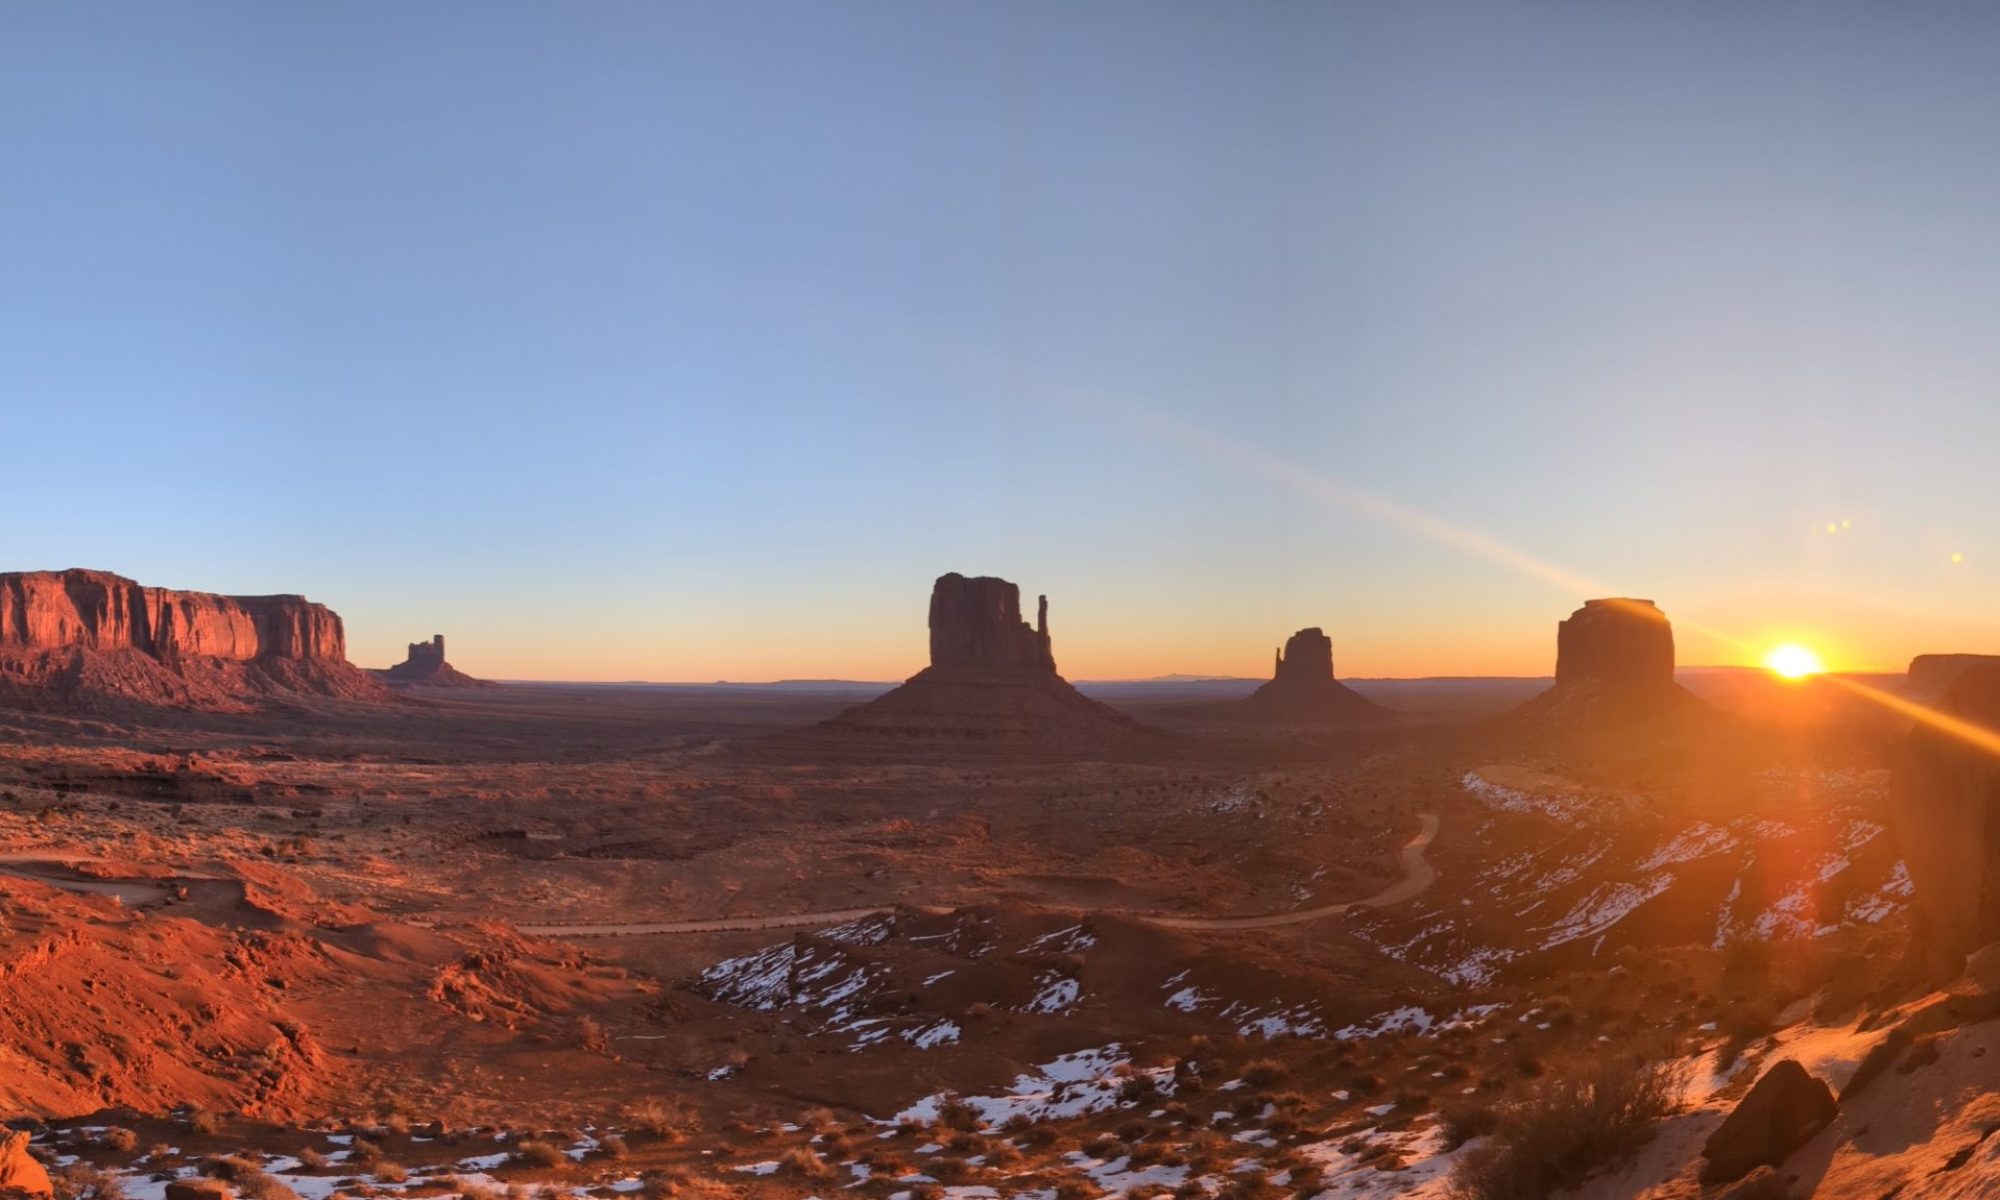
column 590, row 1035
column 538, row 1153
column 202, row 1121
column 817, row 1118
column 1462, row 1120
column 954, row 1113
column 472, row 1189
column 1075, row 1189
column 801, row 1163
column 1263, row 1072
column 80, row 1181
column 118, row 1140
column 312, row 1160
column 657, row 1120
column 397, row 1124
column 388, row 1172
column 1567, row 1127
column 613, row 1146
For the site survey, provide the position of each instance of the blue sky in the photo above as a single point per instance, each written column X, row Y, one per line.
column 683, row 341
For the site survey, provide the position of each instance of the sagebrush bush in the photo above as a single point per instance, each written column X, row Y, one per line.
column 1568, row 1126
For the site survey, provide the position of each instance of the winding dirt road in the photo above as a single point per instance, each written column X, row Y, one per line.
column 1417, row 875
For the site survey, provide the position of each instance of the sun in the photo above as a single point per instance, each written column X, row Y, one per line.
column 1793, row 661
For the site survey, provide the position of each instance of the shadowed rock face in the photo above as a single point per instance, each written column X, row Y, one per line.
column 992, row 687
column 1617, row 644
column 426, row 666
column 1303, row 689
column 1931, row 675
column 96, row 610
column 1945, row 792
column 977, row 623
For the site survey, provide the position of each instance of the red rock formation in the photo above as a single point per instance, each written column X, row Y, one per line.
column 1781, row 1112
column 1614, row 659
column 1931, row 675
column 1616, row 643
column 1302, row 689
column 977, row 623
column 1945, row 805
column 92, row 632
column 991, row 688
column 426, row 667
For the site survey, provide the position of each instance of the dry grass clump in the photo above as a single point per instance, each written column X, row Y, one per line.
column 612, row 1146
column 954, row 1113
column 119, row 1140
column 1264, row 1072
column 538, row 1153
column 202, row 1121
column 658, row 1121
column 1566, row 1128
column 801, row 1163
column 81, row 1181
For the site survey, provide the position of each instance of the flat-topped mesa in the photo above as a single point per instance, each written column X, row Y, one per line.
column 1618, row 644
column 1931, row 675
column 96, row 610
column 90, row 637
column 976, row 622
column 1945, row 804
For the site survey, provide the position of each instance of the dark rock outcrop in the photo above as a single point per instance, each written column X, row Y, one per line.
column 1302, row 689
column 1945, row 805
column 1931, row 675
column 1781, row 1112
column 79, row 634
column 1614, row 662
column 991, row 688
column 977, row 623
column 426, row 667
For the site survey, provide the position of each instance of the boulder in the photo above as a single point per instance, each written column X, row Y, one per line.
column 1944, row 791
column 20, row 1174
column 1781, row 1112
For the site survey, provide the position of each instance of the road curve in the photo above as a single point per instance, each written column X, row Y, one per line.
column 1417, row 875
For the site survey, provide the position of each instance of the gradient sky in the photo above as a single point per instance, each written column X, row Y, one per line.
column 681, row 341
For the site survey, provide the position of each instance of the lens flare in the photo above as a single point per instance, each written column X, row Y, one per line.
column 1793, row 661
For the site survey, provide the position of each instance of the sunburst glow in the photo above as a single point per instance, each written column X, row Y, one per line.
column 1793, row 661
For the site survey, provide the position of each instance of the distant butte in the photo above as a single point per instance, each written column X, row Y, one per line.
column 1614, row 659
column 426, row 667
column 1302, row 689
column 992, row 687
column 86, row 637
column 1931, row 675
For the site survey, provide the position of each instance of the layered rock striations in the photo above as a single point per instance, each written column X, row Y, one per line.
column 1302, row 688
column 78, row 634
column 426, row 666
column 1945, row 805
column 992, row 686
column 1614, row 659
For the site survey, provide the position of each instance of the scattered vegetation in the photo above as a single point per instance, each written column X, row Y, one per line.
column 1568, row 1126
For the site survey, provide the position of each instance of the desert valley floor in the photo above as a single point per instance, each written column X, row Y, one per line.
column 620, row 938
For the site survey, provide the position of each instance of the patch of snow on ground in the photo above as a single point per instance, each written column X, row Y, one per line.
column 1054, row 995
column 1086, row 1081
column 1891, row 897
column 1409, row 1019
column 1605, row 906
column 1696, row 841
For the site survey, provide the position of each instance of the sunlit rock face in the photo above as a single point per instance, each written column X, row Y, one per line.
column 92, row 635
column 96, row 610
column 977, row 622
column 1945, row 789
column 1618, row 644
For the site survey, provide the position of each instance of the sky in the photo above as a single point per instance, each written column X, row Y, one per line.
column 685, row 341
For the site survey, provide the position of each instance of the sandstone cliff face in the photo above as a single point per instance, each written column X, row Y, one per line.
column 977, row 623
column 1616, row 643
column 1945, row 802
column 77, row 635
column 96, row 610
column 1306, row 659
